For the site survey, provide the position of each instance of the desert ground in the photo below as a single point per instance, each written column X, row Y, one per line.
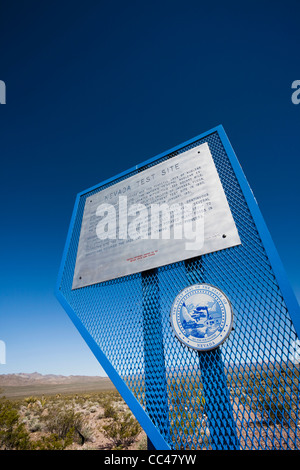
column 71, row 413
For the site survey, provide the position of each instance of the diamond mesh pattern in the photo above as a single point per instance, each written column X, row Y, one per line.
column 245, row 394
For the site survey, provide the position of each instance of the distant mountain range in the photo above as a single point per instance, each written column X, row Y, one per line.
column 35, row 378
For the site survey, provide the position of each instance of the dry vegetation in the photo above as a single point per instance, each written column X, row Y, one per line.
column 72, row 422
column 265, row 407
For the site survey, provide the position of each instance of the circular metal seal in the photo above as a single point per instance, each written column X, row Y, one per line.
column 201, row 317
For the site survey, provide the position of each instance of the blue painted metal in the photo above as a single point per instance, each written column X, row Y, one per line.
column 155, row 380
column 218, row 407
column 253, row 400
column 220, row 418
column 273, row 257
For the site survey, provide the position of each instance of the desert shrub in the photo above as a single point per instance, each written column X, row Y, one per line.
column 13, row 434
column 43, row 402
column 274, row 395
column 122, row 430
column 34, row 425
column 109, row 410
column 65, row 422
column 53, row 442
column 273, row 409
column 30, row 400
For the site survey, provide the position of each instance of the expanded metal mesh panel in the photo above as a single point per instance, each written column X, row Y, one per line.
column 243, row 395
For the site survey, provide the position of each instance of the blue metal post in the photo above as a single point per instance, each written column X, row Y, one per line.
column 218, row 408
column 157, row 405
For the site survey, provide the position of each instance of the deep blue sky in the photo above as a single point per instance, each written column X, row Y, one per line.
column 96, row 87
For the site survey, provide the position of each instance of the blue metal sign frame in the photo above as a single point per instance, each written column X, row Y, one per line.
column 160, row 439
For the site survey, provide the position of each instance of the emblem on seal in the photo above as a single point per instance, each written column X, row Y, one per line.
column 201, row 317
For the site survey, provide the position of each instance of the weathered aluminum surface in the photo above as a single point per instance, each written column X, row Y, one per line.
column 120, row 234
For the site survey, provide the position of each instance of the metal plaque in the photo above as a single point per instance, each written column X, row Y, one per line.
column 169, row 212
